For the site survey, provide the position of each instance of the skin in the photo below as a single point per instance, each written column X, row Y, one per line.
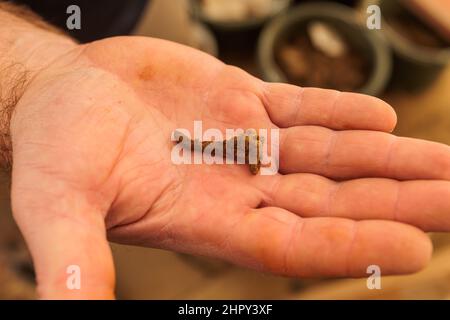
column 91, row 163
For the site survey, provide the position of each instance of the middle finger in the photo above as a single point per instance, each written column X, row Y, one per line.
column 360, row 153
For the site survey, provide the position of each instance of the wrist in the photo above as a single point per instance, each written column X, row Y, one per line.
column 31, row 44
column 26, row 48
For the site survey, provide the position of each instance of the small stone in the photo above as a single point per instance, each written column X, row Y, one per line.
column 326, row 39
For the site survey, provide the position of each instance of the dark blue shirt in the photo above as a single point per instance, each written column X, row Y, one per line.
column 99, row 18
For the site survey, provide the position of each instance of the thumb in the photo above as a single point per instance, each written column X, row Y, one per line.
column 66, row 236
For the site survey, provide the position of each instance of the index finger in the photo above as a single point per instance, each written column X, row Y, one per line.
column 288, row 105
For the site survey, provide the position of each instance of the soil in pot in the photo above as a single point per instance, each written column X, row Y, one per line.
column 309, row 64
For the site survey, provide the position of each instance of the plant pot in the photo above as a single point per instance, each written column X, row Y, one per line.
column 236, row 25
column 345, row 22
column 416, row 65
column 350, row 3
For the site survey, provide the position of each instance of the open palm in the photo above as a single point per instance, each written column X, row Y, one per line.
column 91, row 162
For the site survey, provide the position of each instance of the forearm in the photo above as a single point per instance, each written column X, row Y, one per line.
column 27, row 45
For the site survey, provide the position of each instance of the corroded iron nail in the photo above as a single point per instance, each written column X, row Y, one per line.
column 252, row 141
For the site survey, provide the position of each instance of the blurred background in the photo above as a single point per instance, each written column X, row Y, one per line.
column 402, row 56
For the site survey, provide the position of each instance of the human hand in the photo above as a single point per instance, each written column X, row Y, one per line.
column 91, row 162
